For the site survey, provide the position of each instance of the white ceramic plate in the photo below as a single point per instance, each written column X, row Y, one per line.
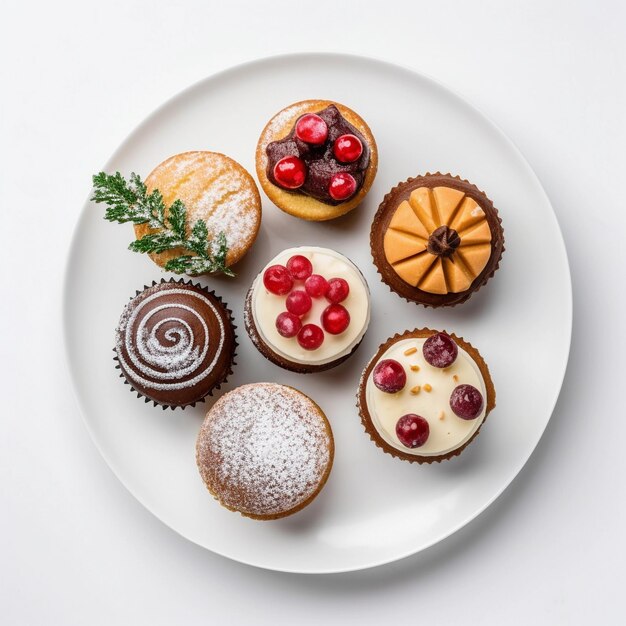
column 374, row 508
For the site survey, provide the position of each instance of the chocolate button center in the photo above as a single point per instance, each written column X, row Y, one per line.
column 443, row 241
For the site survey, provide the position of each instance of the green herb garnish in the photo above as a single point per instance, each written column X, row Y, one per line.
column 129, row 201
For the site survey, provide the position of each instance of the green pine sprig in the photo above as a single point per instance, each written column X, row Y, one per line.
column 129, row 201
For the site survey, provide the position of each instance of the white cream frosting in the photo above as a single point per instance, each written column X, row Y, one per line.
column 330, row 264
column 446, row 434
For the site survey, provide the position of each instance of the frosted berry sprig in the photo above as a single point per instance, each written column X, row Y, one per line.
column 335, row 319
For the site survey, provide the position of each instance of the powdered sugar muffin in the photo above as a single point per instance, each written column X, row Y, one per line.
column 215, row 189
column 265, row 450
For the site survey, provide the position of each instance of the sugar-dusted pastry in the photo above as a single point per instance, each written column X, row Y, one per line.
column 436, row 239
column 308, row 309
column 316, row 159
column 196, row 213
column 175, row 343
column 425, row 395
column 265, row 450
column 215, row 189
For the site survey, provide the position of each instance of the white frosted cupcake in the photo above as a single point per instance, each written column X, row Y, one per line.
column 425, row 395
column 308, row 309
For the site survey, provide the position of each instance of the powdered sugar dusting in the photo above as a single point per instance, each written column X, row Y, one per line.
column 225, row 206
column 218, row 191
column 263, row 449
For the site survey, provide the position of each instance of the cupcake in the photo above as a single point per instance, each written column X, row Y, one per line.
column 214, row 189
column 436, row 239
column 308, row 309
column 265, row 450
column 425, row 395
column 175, row 343
column 316, row 159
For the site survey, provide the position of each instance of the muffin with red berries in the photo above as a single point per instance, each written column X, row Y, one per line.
column 316, row 159
column 425, row 395
column 308, row 309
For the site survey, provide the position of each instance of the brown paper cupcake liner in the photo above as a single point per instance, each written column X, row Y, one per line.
column 366, row 419
column 379, row 258
column 227, row 372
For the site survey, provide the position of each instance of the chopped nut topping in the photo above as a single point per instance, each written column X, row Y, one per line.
column 415, row 368
column 455, row 378
column 441, row 415
column 410, row 351
column 415, row 390
column 427, row 387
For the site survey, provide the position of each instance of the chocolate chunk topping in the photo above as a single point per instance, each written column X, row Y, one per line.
column 320, row 160
column 443, row 241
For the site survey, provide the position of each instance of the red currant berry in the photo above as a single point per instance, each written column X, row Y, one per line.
column 290, row 172
column 288, row 324
column 310, row 336
column 335, row 319
column 299, row 267
column 277, row 280
column 412, row 430
column 389, row 376
column 440, row 350
column 342, row 186
column 298, row 302
column 466, row 402
column 316, row 286
column 347, row 148
column 338, row 290
column 312, row 129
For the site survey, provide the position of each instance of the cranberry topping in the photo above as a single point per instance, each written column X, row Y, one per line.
column 290, row 172
column 412, row 430
column 320, row 161
column 287, row 324
column 466, row 402
column 338, row 290
column 440, row 350
column 277, row 280
column 299, row 267
column 311, row 337
column 298, row 302
column 341, row 186
column 347, row 148
column 389, row 376
column 312, row 129
column 335, row 319
column 316, row 286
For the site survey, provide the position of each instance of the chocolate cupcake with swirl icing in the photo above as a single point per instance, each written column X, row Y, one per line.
column 175, row 343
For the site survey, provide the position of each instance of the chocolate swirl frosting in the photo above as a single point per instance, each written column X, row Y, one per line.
column 174, row 343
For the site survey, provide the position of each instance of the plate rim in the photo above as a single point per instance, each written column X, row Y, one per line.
column 312, row 56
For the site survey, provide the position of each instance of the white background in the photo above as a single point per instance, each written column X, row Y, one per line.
column 76, row 77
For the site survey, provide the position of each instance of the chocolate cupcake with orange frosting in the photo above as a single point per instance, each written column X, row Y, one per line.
column 436, row 239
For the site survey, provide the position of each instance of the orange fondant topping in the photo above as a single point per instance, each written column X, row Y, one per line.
column 406, row 239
